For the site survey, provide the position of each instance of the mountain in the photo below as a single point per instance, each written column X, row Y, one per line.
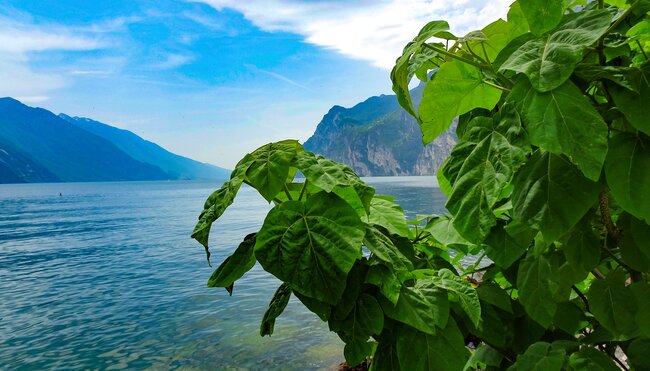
column 378, row 138
column 39, row 146
column 177, row 167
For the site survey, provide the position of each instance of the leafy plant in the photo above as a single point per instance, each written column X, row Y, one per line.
column 549, row 199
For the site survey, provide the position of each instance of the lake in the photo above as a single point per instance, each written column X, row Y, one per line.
column 105, row 276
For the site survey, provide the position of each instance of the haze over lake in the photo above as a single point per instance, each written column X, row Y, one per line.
column 105, row 275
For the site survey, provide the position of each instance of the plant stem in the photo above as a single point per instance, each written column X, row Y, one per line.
column 597, row 274
column 286, row 191
column 496, row 86
column 582, row 297
column 612, row 231
column 452, row 55
column 620, row 19
column 641, row 48
column 302, row 190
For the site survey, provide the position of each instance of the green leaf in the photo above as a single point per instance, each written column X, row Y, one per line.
column 423, row 306
column 540, row 357
column 627, row 169
column 385, row 278
column 588, row 358
column 235, row 266
column 322, row 310
column 542, row 15
column 420, row 351
column 403, row 72
column 498, row 148
column 536, row 281
column 312, row 245
column 641, row 291
column 495, row 295
column 551, row 195
column 214, row 207
column 276, row 307
column 386, row 213
column 467, row 296
column 384, row 249
column 548, row 61
column 506, row 244
column 270, row 167
column 356, row 351
column 634, row 244
column 442, row 229
column 582, row 247
column 365, row 319
column 563, row 121
column 325, row 173
column 457, row 88
column 627, row 77
column 483, row 357
column 385, row 358
column 638, row 354
column 613, row 304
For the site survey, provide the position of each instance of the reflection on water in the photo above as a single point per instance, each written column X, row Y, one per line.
column 106, row 276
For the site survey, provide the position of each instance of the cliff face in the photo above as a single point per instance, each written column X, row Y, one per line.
column 378, row 138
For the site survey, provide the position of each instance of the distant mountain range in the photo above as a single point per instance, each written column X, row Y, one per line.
column 378, row 138
column 39, row 146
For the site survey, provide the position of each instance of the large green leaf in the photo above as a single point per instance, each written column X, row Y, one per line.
column 457, row 88
column 638, row 353
column 542, row 15
column 384, row 249
column 540, row 357
column 386, row 213
column 444, row 351
column 324, row 173
column 634, row 244
column 385, row 358
column 442, row 229
column 423, row 306
column 235, row 266
column 500, row 33
column 403, row 71
column 507, row 243
column 384, row 277
column 536, row 281
column 483, row 356
column 551, row 195
column 629, row 78
column 627, row 169
column 635, row 105
column 466, row 294
column 312, row 245
column 498, row 147
column 613, row 304
column 276, row 307
column 366, row 318
column 563, row 121
column 588, row 358
column 269, row 170
column 218, row 202
column 641, row 291
column 548, row 61
column 582, row 247
column 495, row 295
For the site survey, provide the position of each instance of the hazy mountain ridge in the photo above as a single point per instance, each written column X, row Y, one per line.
column 39, row 146
column 178, row 167
column 378, row 138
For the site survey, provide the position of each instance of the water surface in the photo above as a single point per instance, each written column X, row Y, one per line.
column 105, row 276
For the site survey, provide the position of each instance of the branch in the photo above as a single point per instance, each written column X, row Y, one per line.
column 582, row 296
column 452, row 55
column 612, row 231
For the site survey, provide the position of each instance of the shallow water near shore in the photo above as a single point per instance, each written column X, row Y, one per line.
column 105, row 276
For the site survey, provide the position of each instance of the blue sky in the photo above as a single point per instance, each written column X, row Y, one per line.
column 212, row 79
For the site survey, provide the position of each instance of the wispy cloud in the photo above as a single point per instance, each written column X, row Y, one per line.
column 172, row 60
column 276, row 76
column 368, row 30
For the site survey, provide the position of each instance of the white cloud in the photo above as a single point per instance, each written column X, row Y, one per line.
column 18, row 41
column 375, row 31
column 171, row 61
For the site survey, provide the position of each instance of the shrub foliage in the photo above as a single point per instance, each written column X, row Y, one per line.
column 544, row 259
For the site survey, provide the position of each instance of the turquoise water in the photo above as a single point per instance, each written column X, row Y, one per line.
column 105, row 276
